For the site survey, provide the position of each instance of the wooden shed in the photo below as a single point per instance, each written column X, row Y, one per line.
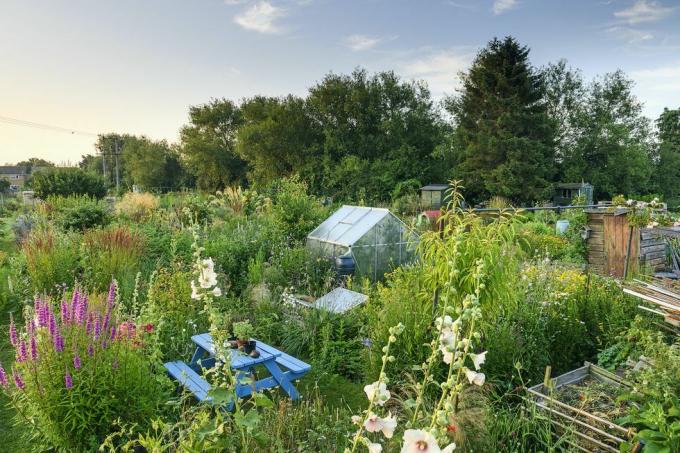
column 607, row 244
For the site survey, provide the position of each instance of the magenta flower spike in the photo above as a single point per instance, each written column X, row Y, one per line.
column 65, row 315
column 76, row 361
column 21, row 352
column 58, row 342
column 97, row 328
column 113, row 333
column 90, row 350
column 107, row 320
column 3, row 377
column 33, row 348
column 88, row 323
column 68, row 380
column 52, row 324
column 112, row 294
column 12, row 331
column 82, row 308
column 17, row 380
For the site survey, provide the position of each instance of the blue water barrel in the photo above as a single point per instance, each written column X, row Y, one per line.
column 344, row 265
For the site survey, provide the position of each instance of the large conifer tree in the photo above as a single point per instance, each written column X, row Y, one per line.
column 504, row 135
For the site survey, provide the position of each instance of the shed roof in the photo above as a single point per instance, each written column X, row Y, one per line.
column 572, row 185
column 435, row 187
column 349, row 224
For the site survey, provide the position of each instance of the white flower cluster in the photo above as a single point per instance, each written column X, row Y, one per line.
column 207, row 280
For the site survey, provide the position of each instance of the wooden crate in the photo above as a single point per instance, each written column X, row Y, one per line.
column 592, row 433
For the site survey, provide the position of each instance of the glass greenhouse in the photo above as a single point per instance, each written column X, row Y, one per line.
column 374, row 237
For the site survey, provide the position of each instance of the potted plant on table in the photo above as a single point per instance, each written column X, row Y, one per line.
column 243, row 330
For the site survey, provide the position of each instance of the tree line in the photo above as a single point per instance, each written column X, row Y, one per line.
column 512, row 130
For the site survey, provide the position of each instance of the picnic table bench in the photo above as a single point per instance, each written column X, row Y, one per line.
column 283, row 369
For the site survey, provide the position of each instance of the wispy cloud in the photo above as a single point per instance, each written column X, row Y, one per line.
column 659, row 87
column 644, row 11
column 364, row 42
column 439, row 69
column 235, row 2
column 501, row 6
column 630, row 35
column 262, row 17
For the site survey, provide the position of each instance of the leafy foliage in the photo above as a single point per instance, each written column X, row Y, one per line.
column 67, row 181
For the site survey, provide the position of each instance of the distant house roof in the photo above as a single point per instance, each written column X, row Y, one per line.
column 12, row 170
column 572, row 185
column 349, row 224
column 435, row 187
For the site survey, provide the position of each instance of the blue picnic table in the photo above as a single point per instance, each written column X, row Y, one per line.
column 283, row 369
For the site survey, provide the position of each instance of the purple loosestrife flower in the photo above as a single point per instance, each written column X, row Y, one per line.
column 107, row 320
column 21, row 352
column 113, row 333
column 58, row 342
column 88, row 323
column 34, row 348
column 90, row 350
column 76, row 361
column 82, row 308
column 3, row 377
column 68, row 380
column 52, row 327
column 12, row 331
column 74, row 303
column 97, row 328
column 112, row 294
column 17, row 380
column 65, row 316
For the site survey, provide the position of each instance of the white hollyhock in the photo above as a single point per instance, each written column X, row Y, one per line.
column 389, row 424
column 374, row 448
column 208, row 277
column 217, row 292
column 379, row 391
column 194, row 291
column 475, row 378
column 373, row 423
column 478, row 359
column 419, row 441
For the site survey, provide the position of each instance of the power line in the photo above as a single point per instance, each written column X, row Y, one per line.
column 18, row 122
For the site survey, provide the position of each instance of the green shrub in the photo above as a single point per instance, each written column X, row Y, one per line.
column 67, row 181
column 295, row 211
column 84, row 216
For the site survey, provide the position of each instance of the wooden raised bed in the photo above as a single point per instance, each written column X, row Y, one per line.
column 593, row 431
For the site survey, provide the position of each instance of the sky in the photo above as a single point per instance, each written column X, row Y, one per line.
column 135, row 66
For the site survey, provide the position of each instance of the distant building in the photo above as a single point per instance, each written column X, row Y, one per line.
column 433, row 196
column 16, row 176
column 565, row 192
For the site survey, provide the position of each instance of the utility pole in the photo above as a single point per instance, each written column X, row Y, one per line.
column 117, row 174
column 101, row 150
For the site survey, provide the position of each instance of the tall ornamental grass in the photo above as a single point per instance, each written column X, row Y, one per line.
column 52, row 259
column 78, row 368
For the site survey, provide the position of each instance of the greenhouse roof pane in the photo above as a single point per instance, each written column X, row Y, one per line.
column 348, row 224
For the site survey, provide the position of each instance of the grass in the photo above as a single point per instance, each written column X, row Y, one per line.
column 12, row 436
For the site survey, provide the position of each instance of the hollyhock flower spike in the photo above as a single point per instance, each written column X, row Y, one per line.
column 12, row 331
column 389, row 424
column 194, row 291
column 208, row 277
column 3, row 378
column 373, row 423
column 217, row 292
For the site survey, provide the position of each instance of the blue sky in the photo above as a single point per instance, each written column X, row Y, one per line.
column 136, row 65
